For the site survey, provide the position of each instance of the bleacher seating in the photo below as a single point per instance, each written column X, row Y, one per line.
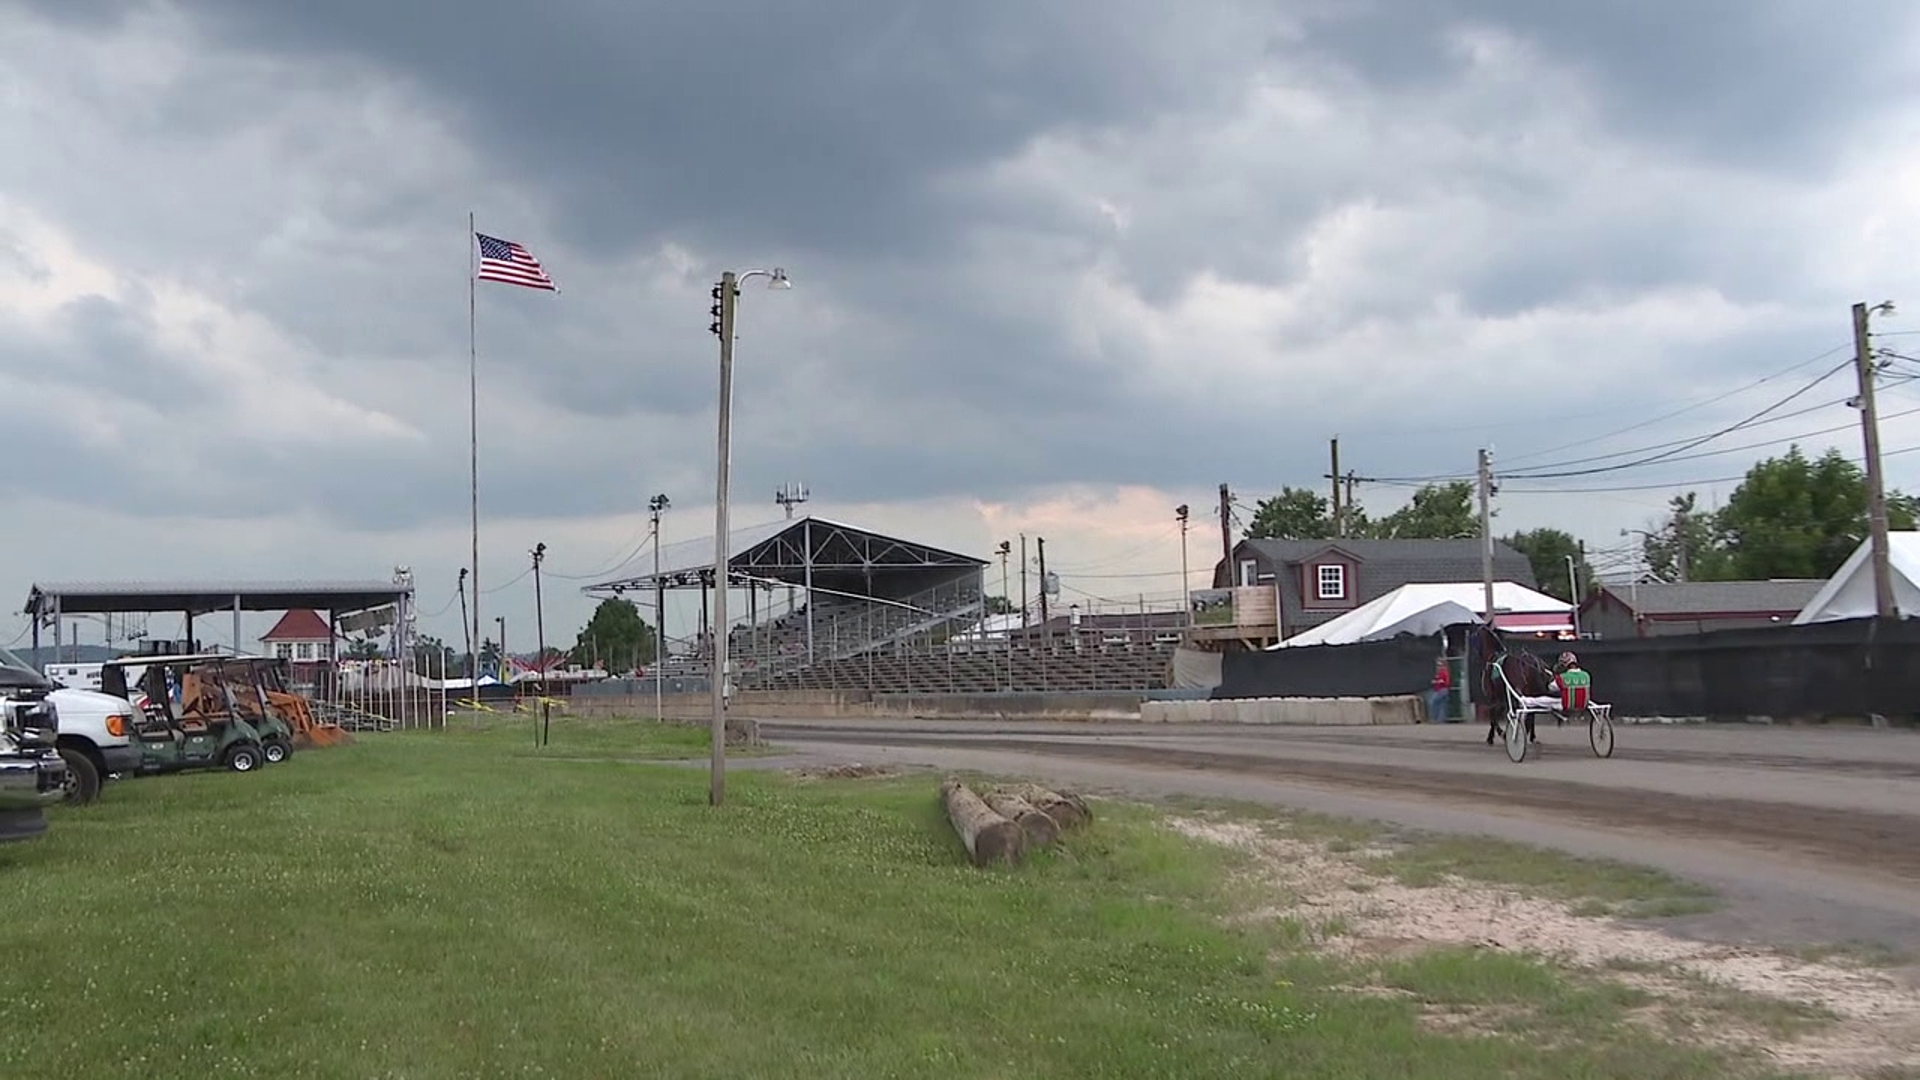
column 1130, row 667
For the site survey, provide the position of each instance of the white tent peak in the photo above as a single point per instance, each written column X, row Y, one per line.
column 1426, row 608
column 1848, row 594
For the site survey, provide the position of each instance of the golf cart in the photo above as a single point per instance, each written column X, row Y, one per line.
column 188, row 718
column 249, row 696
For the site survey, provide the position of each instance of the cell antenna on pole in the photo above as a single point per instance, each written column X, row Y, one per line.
column 790, row 496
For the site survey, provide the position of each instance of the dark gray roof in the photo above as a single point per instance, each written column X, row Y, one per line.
column 1385, row 565
column 97, row 597
column 1718, row 597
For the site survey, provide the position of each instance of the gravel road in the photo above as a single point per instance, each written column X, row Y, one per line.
column 1812, row 835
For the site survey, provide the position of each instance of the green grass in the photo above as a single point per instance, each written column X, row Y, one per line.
column 428, row 905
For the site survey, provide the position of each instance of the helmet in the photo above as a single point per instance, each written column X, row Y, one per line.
column 1567, row 660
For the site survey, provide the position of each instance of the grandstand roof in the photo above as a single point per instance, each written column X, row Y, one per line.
column 780, row 550
column 101, row 597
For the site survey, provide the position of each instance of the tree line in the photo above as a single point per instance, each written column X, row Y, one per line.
column 1791, row 517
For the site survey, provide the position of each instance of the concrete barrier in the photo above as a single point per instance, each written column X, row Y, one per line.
column 1090, row 707
column 1351, row 712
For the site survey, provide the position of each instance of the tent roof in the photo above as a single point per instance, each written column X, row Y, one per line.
column 1426, row 608
column 1848, row 594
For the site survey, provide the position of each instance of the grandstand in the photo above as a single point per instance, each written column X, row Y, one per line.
column 830, row 606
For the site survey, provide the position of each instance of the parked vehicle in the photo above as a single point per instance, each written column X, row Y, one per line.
column 32, row 772
column 94, row 730
column 188, row 718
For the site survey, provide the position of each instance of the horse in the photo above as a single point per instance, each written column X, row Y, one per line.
column 1527, row 673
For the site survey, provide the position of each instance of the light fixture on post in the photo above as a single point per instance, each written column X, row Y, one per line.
column 726, row 293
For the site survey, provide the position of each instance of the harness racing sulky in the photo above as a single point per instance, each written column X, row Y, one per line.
column 1518, row 687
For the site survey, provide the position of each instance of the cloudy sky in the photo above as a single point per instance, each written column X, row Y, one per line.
column 1059, row 267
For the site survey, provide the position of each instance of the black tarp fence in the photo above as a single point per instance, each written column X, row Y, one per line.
column 1852, row 667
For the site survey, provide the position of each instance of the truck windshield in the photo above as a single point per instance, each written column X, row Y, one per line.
column 9, row 659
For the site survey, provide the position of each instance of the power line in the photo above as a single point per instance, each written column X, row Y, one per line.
column 621, row 565
column 1669, row 485
column 1689, row 408
column 1709, row 437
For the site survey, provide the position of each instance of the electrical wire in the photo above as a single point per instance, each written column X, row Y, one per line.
column 609, row 571
column 517, row 579
column 1672, row 484
column 1790, row 369
column 1689, row 444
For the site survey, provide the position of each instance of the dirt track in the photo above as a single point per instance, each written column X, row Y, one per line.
column 1815, row 834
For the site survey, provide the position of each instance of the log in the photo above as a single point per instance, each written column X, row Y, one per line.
column 988, row 837
column 1068, row 811
column 1041, row 830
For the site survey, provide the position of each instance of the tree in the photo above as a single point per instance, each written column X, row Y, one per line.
column 1689, row 540
column 1792, row 517
column 1294, row 514
column 616, row 636
column 432, row 658
column 489, row 655
column 364, row 648
column 1436, row 512
column 1000, row 605
column 1548, row 550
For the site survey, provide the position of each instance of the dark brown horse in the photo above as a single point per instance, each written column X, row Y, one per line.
column 1528, row 674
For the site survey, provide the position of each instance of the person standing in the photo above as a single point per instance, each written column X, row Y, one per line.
column 1437, row 695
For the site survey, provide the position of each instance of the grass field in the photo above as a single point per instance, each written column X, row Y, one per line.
column 461, row 905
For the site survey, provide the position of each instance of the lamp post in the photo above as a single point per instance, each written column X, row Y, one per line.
column 1186, row 594
column 725, row 295
column 655, row 506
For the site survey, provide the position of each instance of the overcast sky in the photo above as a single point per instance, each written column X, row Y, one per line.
column 1059, row 266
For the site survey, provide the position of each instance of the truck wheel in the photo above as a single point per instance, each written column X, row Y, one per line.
column 275, row 751
column 243, row 758
column 83, row 780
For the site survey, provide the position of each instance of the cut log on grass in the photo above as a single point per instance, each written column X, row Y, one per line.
column 1069, row 811
column 988, row 836
column 1041, row 830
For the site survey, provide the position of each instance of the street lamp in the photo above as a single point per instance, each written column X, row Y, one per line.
column 725, row 296
column 1186, row 595
column 655, row 506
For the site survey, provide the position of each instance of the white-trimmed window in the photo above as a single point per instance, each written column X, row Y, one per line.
column 1330, row 580
column 1249, row 572
column 283, row 649
column 305, row 651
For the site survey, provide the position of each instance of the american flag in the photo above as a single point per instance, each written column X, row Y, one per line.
column 506, row 261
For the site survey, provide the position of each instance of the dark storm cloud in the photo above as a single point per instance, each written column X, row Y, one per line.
column 852, row 141
column 772, row 124
column 1759, row 83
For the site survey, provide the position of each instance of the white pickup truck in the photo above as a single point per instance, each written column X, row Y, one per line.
column 95, row 730
column 32, row 772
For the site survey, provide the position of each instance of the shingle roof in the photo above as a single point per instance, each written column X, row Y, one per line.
column 300, row 624
column 1385, row 565
column 1787, row 595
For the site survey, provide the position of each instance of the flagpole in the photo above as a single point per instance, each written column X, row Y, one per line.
column 473, row 454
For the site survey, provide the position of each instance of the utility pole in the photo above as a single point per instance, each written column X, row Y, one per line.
column 1486, row 530
column 1004, row 550
column 1186, row 578
column 540, row 639
column 1347, row 505
column 466, row 630
column 1870, row 432
column 1680, row 544
column 790, row 496
column 1023, row 581
column 1338, row 522
column 1226, row 528
column 1041, row 543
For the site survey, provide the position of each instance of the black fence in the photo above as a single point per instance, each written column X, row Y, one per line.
column 1849, row 668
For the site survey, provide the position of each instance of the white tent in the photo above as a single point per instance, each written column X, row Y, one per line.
column 1848, row 594
column 1424, row 609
